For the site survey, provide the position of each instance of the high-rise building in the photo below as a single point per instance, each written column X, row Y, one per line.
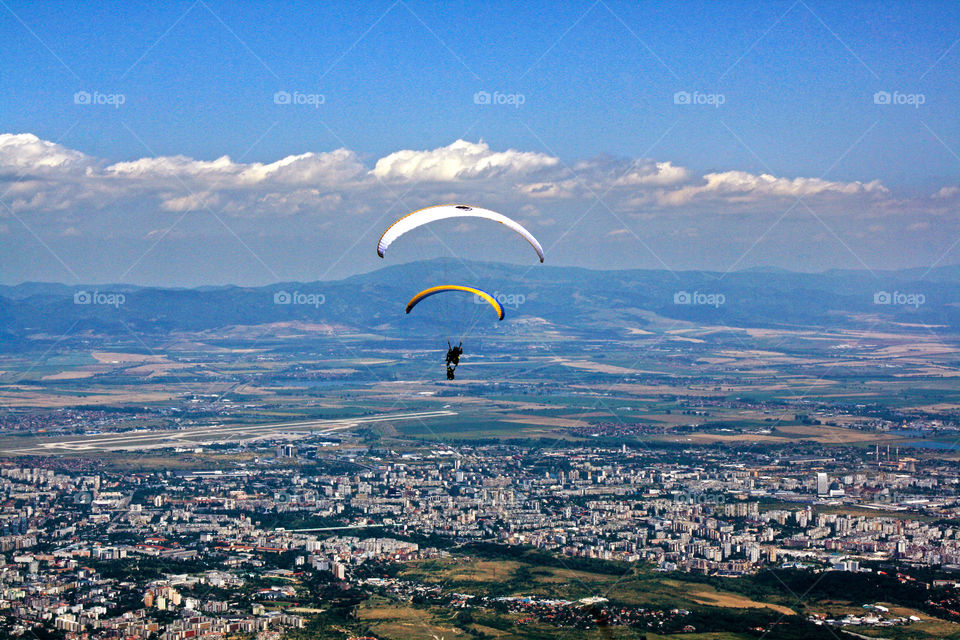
column 823, row 484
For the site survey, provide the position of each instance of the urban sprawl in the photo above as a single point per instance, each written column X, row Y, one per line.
column 257, row 546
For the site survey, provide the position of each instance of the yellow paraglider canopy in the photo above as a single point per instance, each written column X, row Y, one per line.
column 432, row 291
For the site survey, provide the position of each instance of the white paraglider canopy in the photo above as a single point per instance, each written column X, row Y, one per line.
column 441, row 212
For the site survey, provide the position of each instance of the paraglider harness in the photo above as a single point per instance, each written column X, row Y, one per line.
column 453, row 358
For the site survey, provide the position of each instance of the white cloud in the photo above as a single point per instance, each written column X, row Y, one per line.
column 947, row 192
column 328, row 169
column 45, row 176
column 744, row 187
column 301, row 201
column 191, row 202
column 649, row 173
column 460, row 160
column 564, row 189
column 25, row 153
column 172, row 167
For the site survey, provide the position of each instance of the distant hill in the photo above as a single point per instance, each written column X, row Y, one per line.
column 583, row 301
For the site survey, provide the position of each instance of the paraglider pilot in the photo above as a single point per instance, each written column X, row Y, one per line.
column 453, row 358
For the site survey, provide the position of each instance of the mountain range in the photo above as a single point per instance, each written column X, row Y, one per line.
column 601, row 303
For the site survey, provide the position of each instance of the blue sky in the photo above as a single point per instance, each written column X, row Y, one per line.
column 597, row 82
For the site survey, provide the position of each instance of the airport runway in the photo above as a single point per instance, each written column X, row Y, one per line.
column 193, row 436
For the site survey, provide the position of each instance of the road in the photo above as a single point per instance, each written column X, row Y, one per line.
column 193, row 436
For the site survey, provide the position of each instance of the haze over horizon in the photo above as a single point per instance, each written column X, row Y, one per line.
column 879, row 276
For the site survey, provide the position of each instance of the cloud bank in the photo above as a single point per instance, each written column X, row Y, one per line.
column 41, row 176
column 66, row 214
